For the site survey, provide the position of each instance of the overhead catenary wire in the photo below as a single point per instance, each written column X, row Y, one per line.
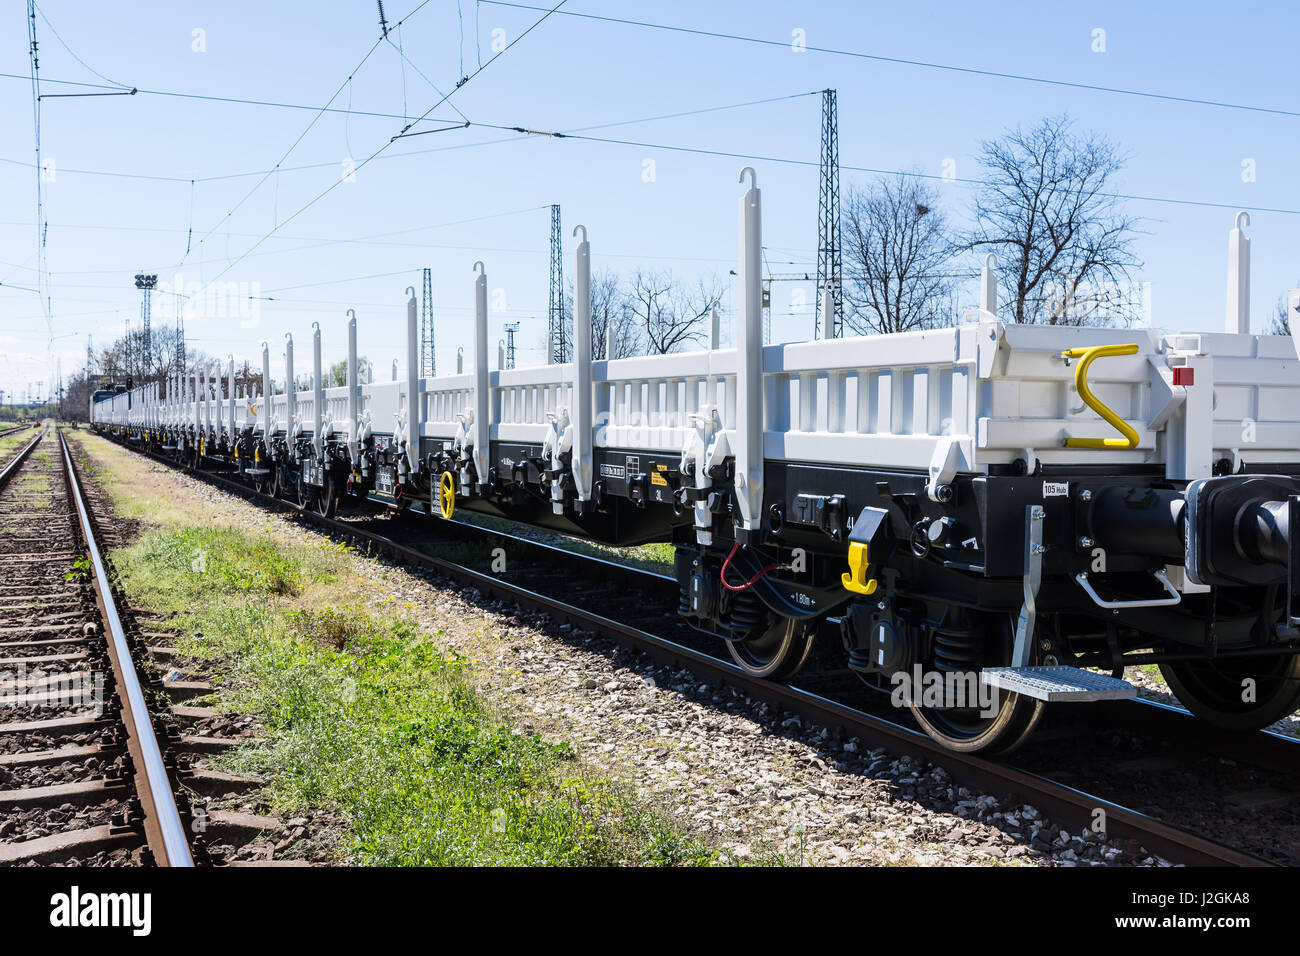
column 300, row 238
column 904, row 61
column 434, row 86
column 401, row 59
column 460, row 19
column 779, row 160
column 189, row 232
column 212, row 98
column 325, row 192
column 465, row 79
column 478, row 47
column 578, row 133
column 333, row 164
column 73, row 53
column 292, row 147
column 303, row 134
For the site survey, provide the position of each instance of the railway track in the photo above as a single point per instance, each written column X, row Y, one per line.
column 81, row 766
column 100, row 761
column 1043, row 776
column 14, row 430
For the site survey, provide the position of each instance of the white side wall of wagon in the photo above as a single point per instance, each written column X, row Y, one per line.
column 943, row 401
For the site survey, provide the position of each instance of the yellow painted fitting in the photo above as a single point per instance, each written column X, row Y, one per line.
column 202, row 446
column 1086, row 356
column 447, row 494
column 855, row 579
column 257, row 456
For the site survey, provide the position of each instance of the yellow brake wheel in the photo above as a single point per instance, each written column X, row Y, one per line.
column 447, row 494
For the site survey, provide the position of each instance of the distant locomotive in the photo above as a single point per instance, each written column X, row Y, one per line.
column 1013, row 509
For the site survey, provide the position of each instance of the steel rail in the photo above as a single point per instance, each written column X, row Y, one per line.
column 15, row 429
column 1060, row 801
column 164, row 829
column 16, row 462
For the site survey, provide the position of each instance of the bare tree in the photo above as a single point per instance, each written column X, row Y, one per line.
column 609, row 310
column 648, row 298
column 1063, row 241
column 671, row 316
column 1281, row 324
column 896, row 256
column 694, row 305
column 77, row 390
column 127, row 358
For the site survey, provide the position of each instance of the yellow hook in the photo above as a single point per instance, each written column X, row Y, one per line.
column 1086, row 356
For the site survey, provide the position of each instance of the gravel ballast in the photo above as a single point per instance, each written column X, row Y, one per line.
column 757, row 786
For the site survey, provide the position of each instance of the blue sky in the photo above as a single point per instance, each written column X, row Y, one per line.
column 569, row 73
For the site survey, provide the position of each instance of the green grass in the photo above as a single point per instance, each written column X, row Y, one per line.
column 29, row 483
column 11, row 444
column 369, row 717
column 656, row 556
column 230, row 562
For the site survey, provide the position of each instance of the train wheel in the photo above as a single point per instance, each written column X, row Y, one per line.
column 262, row 483
column 306, row 494
column 999, row 729
column 994, row 721
column 279, row 482
column 1214, row 690
column 778, row 652
column 327, row 497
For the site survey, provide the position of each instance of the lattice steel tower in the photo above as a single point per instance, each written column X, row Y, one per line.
column 428, row 365
column 511, row 328
column 145, row 283
column 555, row 310
column 829, row 261
column 180, row 340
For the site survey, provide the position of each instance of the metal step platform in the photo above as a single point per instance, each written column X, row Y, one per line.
column 1059, row 683
column 257, row 471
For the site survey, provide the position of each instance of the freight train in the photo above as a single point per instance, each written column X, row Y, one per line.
column 1022, row 510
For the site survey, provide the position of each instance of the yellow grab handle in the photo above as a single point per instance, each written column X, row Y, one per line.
column 1086, row 356
column 855, row 579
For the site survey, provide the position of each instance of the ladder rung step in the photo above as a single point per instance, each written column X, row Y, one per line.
column 1058, row 683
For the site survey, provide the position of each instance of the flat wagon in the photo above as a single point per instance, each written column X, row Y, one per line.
column 983, row 519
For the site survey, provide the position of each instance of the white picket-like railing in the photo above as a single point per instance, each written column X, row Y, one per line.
column 947, row 400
